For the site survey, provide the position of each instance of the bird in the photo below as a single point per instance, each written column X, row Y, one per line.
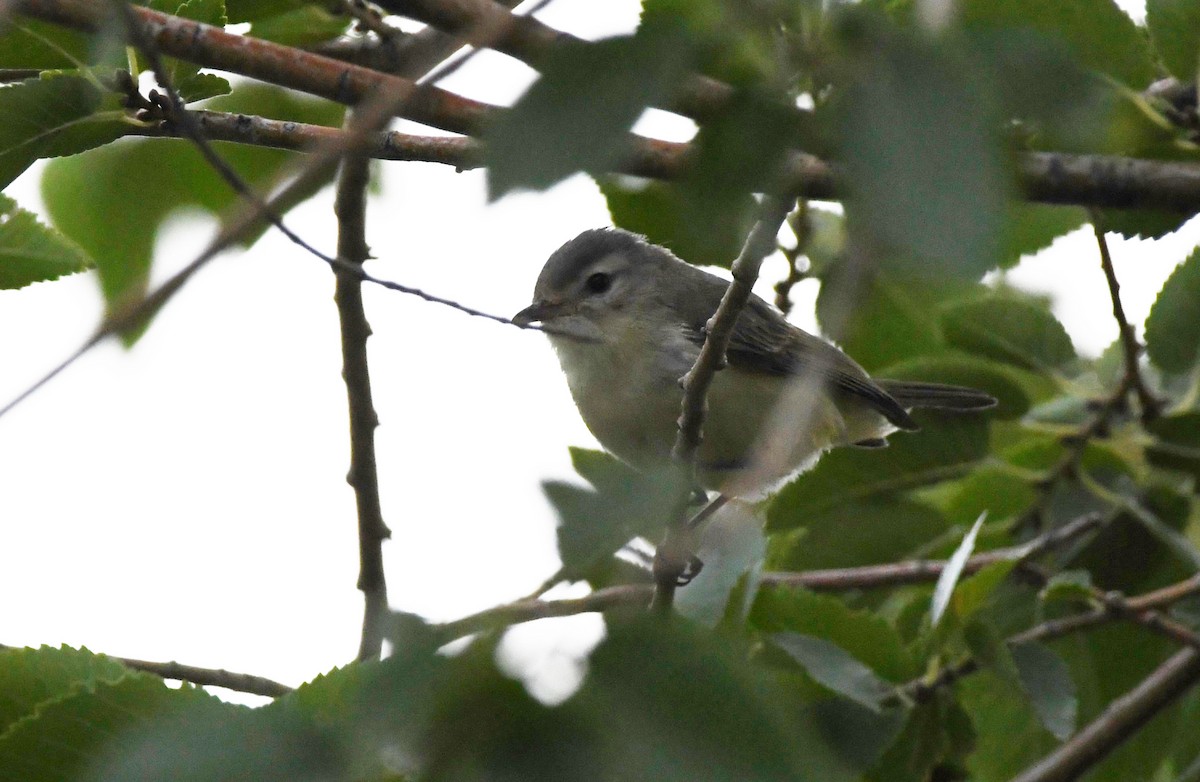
column 627, row 319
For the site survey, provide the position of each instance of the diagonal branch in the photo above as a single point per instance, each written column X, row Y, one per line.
column 675, row 553
column 1131, row 349
column 1123, row 717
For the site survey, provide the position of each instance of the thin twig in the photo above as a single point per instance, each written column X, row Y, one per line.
column 801, row 225
column 369, row 18
column 1131, row 348
column 215, row 677
column 832, row 580
column 1123, row 717
column 674, row 553
column 350, row 205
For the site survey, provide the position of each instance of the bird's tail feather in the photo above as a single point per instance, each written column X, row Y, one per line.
column 916, row 394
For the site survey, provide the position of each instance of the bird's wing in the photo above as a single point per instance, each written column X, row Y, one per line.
column 764, row 343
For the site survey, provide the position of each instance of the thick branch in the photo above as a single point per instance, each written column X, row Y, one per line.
column 1123, row 717
column 212, row 47
column 488, row 23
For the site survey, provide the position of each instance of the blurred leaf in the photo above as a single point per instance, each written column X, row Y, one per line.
column 855, row 532
column 835, row 669
column 918, row 137
column 861, row 634
column 30, row 677
column 876, row 319
column 1007, row 384
column 166, row 175
column 1008, row 735
column 95, row 724
column 950, row 574
column 304, row 26
column 30, row 252
column 684, row 705
column 1010, row 330
column 665, row 214
column 32, row 43
column 732, row 546
column 972, row 592
column 1047, row 682
column 1173, row 326
column 996, row 491
column 826, row 239
column 1097, row 32
column 1177, row 446
column 1034, row 227
column 946, row 448
column 57, row 115
column 1070, row 586
column 577, row 116
column 937, row 737
column 1175, row 30
column 595, row 524
column 185, row 76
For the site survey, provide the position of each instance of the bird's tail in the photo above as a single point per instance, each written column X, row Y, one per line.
column 915, row 394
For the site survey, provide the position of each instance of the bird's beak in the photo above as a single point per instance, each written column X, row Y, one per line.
column 538, row 312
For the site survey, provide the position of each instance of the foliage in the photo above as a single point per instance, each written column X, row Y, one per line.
column 761, row 679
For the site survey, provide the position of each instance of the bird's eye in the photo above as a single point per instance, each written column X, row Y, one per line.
column 598, row 282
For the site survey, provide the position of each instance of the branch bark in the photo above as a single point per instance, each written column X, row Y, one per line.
column 1123, row 717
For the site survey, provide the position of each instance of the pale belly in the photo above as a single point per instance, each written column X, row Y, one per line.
column 758, row 431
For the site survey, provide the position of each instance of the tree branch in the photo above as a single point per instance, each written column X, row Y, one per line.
column 1123, row 717
column 350, row 206
column 491, row 24
column 832, row 580
column 675, row 553
column 1131, row 349
column 216, row 677
column 212, row 47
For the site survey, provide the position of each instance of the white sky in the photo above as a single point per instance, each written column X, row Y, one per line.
column 185, row 500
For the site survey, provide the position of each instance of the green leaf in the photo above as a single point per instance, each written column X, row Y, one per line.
column 1097, row 32
column 1069, row 586
column 577, row 116
column 1010, row 330
column 32, row 43
column 926, row 178
column 1177, row 443
column 31, row 677
column 1175, row 30
column 1008, row 735
column 666, row 214
column 56, row 115
column 861, row 634
column 131, row 175
column 305, row 26
column 98, row 726
column 185, row 76
column 1009, row 385
column 855, row 532
column 951, row 573
column 836, row 669
column 972, row 592
column 1047, row 681
column 1173, row 326
column 877, row 319
column 947, row 447
column 684, row 705
column 31, row 252
column 1033, row 227
column 595, row 524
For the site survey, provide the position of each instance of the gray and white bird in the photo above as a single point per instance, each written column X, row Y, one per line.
column 627, row 320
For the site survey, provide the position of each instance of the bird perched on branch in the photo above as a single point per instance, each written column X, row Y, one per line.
column 627, row 320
